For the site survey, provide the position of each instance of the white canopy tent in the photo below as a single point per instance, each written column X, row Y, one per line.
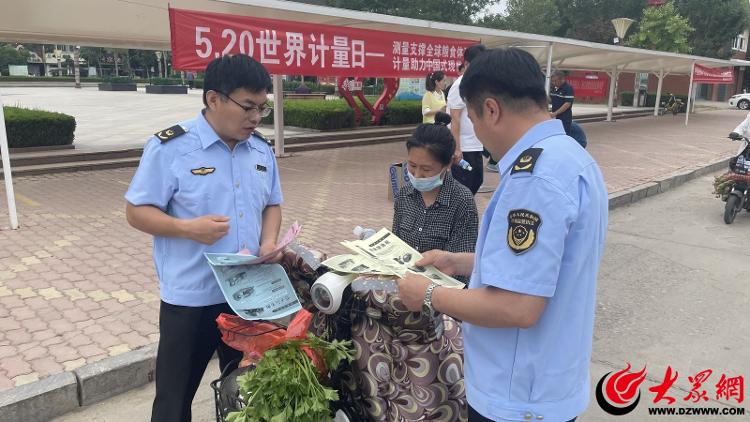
column 144, row 24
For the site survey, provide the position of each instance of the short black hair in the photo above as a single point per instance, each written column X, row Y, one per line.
column 510, row 75
column 432, row 78
column 473, row 52
column 227, row 73
column 436, row 138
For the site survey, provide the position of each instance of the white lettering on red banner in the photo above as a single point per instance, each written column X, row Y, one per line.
column 710, row 75
column 296, row 48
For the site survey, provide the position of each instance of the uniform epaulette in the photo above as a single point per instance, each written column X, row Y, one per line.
column 263, row 138
column 526, row 161
column 167, row 135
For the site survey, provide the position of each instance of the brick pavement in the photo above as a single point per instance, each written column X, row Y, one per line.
column 77, row 283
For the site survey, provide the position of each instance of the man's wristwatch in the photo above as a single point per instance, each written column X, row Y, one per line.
column 427, row 309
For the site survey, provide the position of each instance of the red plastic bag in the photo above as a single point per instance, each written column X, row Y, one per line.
column 253, row 338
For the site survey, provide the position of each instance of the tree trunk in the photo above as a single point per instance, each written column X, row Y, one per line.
column 117, row 68
column 44, row 60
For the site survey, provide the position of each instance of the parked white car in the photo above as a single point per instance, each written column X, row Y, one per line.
column 741, row 101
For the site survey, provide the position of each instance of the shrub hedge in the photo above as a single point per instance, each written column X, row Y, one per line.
column 336, row 114
column 36, row 128
column 165, row 81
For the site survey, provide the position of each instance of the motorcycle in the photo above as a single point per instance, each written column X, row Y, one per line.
column 737, row 181
column 673, row 105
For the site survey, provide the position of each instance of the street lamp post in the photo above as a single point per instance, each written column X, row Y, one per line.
column 621, row 28
column 77, row 65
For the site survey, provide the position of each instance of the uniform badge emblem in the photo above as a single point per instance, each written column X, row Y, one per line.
column 203, row 171
column 523, row 230
column 261, row 168
column 526, row 161
column 171, row 133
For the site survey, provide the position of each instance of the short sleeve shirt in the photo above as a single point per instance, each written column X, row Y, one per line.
column 196, row 174
column 542, row 235
column 469, row 140
column 560, row 96
column 450, row 224
column 432, row 101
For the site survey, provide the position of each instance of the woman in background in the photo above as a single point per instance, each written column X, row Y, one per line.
column 433, row 100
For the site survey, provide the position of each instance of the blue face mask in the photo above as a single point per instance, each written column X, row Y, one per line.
column 426, row 184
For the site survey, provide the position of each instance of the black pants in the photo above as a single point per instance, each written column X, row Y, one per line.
column 188, row 338
column 474, row 416
column 566, row 124
column 471, row 179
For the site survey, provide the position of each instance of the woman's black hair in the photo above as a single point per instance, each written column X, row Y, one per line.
column 436, row 138
column 432, row 79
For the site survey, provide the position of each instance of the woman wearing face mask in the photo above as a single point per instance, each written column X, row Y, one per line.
column 433, row 101
column 435, row 212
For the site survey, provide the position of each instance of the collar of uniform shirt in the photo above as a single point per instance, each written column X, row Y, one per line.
column 444, row 196
column 540, row 131
column 208, row 135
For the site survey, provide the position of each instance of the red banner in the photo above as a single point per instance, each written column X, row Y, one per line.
column 589, row 86
column 296, row 48
column 713, row 75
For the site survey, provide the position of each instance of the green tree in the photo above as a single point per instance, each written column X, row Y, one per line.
column 143, row 61
column 715, row 25
column 450, row 11
column 590, row 20
column 534, row 16
column 662, row 28
column 93, row 55
column 10, row 56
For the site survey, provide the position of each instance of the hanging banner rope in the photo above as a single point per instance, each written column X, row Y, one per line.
column 297, row 48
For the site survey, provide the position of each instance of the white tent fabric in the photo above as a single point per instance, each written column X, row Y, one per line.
column 144, row 24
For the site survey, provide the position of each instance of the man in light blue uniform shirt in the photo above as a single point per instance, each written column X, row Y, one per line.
column 210, row 184
column 529, row 311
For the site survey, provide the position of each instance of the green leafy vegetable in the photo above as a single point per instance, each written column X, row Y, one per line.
column 285, row 385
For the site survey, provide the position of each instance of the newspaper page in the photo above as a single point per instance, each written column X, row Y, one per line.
column 355, row 264
column 257, row 291
column 392, row 255
column 246, row 259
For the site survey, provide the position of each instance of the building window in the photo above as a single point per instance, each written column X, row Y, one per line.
column 740, row 43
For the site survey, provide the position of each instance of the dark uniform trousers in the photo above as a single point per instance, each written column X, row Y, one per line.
column 471, row 179
column 188, row 338
column 474, row 416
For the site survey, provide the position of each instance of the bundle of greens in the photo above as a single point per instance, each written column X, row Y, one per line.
column 285, row 385
column 723, row 186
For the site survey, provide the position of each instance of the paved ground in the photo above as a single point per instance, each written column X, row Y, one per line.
column 672, row 291
column 77, row 283
column 113, row 120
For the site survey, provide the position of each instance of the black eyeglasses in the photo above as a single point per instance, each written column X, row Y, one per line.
column 263, row 110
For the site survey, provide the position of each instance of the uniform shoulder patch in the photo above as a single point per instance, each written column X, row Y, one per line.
column 167, row 135
column 526, row 161
column 262, row 138
column 523, row 230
